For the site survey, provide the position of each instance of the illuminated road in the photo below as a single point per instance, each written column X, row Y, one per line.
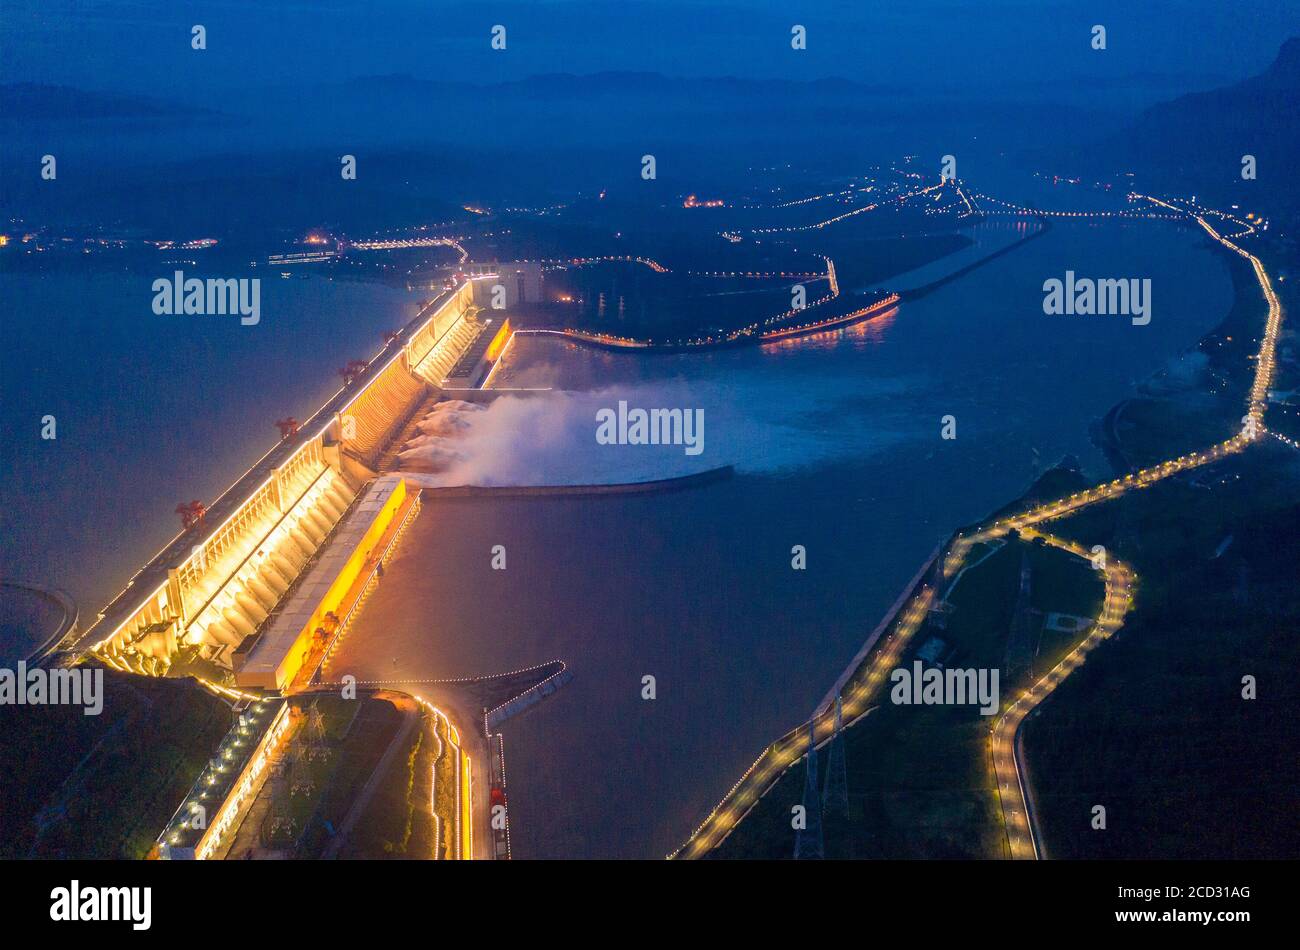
column 1022, row 835
column 865, row 682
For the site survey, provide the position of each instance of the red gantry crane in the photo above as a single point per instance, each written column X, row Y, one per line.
column 354, row 369
column 191, row 514
column 288, row 427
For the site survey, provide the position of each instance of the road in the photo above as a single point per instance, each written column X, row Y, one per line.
column 1004, row 740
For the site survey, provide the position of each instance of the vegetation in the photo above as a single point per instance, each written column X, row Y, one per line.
column 365, row 727
column 398, row 823
column 104, row 786
column 1154, row 726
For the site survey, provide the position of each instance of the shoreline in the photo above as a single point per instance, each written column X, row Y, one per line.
column 1104, row 432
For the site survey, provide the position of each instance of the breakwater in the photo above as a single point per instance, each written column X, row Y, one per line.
column 919, row 292
column 676, row 483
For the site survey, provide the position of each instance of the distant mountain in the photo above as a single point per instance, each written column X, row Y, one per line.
column 1262, row 108
column 1200, row 138
column 31, row 102
column 623, row 83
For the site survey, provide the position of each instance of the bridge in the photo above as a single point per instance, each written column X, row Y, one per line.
column 217, row 584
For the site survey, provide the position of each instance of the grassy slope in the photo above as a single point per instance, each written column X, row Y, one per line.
column 104, row 786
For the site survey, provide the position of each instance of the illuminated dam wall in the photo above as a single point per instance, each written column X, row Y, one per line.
column 218, row 583
column 331, row 589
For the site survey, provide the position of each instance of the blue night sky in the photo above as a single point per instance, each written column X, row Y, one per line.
column 1000, row 45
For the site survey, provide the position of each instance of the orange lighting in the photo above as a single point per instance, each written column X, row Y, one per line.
column 693, row 202
column 499, row 341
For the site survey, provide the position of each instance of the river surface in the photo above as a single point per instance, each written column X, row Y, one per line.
column 836, row 440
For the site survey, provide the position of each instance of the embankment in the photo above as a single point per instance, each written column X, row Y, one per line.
column 693, row 480
column 919, row 292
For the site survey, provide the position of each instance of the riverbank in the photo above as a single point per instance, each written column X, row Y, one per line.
column 1194, row 399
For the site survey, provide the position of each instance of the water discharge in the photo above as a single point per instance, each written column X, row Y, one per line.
column 753, row 420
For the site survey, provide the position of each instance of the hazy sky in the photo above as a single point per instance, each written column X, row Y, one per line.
column 143, row 45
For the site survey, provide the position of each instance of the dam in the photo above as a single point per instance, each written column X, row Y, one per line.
column 202, row 605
